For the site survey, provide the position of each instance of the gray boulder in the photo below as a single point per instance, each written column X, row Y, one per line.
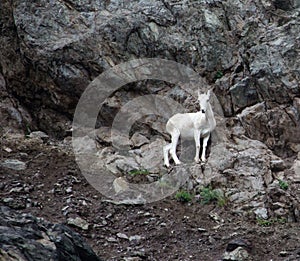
column 28, row 238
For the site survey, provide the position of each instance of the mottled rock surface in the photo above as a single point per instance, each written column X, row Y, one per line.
column 247, row 50
column 25, row 237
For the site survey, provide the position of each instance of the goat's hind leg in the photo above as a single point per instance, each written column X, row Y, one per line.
column 166, row 150
column 175, row 137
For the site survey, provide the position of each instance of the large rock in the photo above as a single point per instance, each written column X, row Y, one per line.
column 249, row 174
column 14, row 117
column 27, row 238
column 276, row 126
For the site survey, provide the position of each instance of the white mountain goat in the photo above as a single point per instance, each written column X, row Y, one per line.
column 191, row 125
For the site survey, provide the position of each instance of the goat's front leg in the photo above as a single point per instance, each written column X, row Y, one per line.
column 197, row 143
column 205, row 140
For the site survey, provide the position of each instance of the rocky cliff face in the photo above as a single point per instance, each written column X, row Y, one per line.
column 248, row 52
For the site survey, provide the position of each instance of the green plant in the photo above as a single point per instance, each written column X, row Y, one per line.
column 209, row 195
column 222, row 201
column 264, row 222
column 27, row 129
column 283, row 185
column 281, row 220
column 136, row 172
column 269, row 222
column 218, row 75
column 183, row 196
column 163, row 184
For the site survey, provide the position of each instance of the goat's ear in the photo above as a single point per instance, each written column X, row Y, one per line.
column 198, row 93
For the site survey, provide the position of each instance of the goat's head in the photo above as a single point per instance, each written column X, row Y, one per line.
column 203, row 100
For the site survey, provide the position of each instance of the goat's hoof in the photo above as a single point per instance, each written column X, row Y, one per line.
column 203, row 162
column 178, row 163
column 197, row 161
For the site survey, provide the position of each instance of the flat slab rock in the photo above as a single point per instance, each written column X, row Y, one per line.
column 13, row 164
column 28, row 238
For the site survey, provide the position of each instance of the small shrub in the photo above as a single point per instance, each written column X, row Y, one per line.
column 269, row 222
column 136, row 172
column 218, row 75
column 222, row 201
column 264, row 222
column 27, row 130
column 163, row 184
column 281, row 220
column 209, row 195
column 283, row 185
column 183, row 196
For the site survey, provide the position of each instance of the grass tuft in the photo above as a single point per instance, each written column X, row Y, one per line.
column 209, row 195
column 184, row 196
